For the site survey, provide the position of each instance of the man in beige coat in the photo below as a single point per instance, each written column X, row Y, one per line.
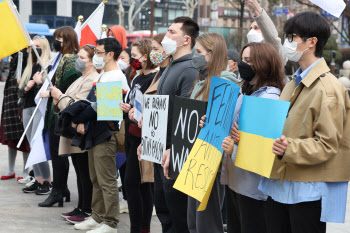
column 311, row 171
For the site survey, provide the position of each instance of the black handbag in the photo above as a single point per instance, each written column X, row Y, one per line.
column 63, row 127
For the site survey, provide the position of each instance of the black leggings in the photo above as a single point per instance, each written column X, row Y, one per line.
column 81, row 165
column 60, row 165
column 139, row 196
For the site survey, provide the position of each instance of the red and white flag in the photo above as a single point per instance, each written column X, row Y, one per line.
column 90, row 31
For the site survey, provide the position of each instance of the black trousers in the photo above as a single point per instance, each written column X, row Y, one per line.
column 244, row 214
column 139, row 196
column 81, row 165
column 296, row 218
column 171, row 204
column 122, row 171
column 60, row 165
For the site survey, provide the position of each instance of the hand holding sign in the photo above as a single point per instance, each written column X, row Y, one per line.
column 235, row 133
column 280, row 145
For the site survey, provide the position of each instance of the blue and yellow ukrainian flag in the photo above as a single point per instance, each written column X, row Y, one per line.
column 261, row 122
column 13, row 35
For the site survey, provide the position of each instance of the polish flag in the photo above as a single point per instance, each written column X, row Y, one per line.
column 90, row 31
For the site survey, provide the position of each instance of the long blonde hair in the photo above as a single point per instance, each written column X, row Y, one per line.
column 215, row 44
column 45, row 57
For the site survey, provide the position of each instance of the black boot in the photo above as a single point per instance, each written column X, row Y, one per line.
column 55, row 197
column 66, row 194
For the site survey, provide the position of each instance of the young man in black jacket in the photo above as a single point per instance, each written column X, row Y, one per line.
column 177, row 79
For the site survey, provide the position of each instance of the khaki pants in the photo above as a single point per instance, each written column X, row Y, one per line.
column 103, row 175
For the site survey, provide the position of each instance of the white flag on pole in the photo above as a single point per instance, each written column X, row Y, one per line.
column 334, row 7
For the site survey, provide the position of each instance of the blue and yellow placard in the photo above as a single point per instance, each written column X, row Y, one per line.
column 108, row 96
column 198, row 174
column 261, row 122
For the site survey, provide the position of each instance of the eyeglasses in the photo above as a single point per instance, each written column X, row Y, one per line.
column 291, row 36
column 39, row 36
column 91, row 46
column 99, row 53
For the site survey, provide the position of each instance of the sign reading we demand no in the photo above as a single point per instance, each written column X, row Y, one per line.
column 198, row 174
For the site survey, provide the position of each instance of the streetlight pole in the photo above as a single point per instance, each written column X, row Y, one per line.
column 152, row 17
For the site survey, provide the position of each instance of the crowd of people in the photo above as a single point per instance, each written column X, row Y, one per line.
column 309, row 179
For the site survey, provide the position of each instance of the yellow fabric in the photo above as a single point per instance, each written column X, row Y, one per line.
column 255, row 154
column 13, row 37
column 197, row 176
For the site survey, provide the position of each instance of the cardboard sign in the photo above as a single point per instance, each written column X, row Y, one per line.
column 154, row 127
column 198, row 174
column 186, row 118
column 109, row 95
column 261, row 122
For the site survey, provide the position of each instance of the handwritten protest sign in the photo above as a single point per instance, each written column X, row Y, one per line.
column 198, row 174
column 261, row 122
column 154, row 127
column 138, row 105
column 186, row 117
column 109, row 95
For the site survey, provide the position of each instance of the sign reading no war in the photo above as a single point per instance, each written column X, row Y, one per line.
column 109, row 95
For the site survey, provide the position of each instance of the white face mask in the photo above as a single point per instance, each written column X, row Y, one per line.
column 228, row 68
column 170, row 45
column 254, row 36
column 290, row 50
column 98, row 62
column 122, row 65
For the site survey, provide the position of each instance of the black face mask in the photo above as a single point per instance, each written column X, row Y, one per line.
column 57, row 45
column 135, row 63
column 246, row 71
column 34, row 58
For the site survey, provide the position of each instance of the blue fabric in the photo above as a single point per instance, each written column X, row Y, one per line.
column 245, row 182
column 333, row 195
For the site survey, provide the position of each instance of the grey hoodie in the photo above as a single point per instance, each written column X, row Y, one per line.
column 177, row 79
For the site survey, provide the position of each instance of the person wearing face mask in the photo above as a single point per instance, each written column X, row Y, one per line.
column 66, row 42
column 11, row 125
column 312, row 156
column 75, row 92
column 263, row 29
column 139, row 195
column 177, row 79
column 231, row 71
column 262, row 72
column 28, row 89
column 99, row 138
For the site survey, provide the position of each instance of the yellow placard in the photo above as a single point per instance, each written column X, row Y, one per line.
column 198, row 174
column 255, row 154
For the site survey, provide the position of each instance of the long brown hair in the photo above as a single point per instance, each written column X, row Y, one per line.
column 267, row 65
column 215, row 44
column 70, row 39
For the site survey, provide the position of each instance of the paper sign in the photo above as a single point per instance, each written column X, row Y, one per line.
column 186, row 117
column 261, row 123
column 154, row 127
column 334, row 7
column 109, row 95
column 199, row 171
column 138, row 105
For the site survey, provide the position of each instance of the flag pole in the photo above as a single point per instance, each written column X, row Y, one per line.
column 30, row 121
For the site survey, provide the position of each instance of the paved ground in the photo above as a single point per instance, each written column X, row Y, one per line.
column 19, row 212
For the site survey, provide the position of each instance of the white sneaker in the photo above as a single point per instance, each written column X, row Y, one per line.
column 104, row 228
column 30, row 183
column 123, row 206
column 154, row 213
column 25, row 180
column 88, row 224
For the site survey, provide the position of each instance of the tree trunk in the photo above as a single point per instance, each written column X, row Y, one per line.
column 121, row 13
column 130, row 16
column 240, row 29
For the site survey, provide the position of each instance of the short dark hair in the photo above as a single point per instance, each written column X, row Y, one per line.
column 111, row 45
column 307, row 25
column 70, row 39
column 189, row 27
